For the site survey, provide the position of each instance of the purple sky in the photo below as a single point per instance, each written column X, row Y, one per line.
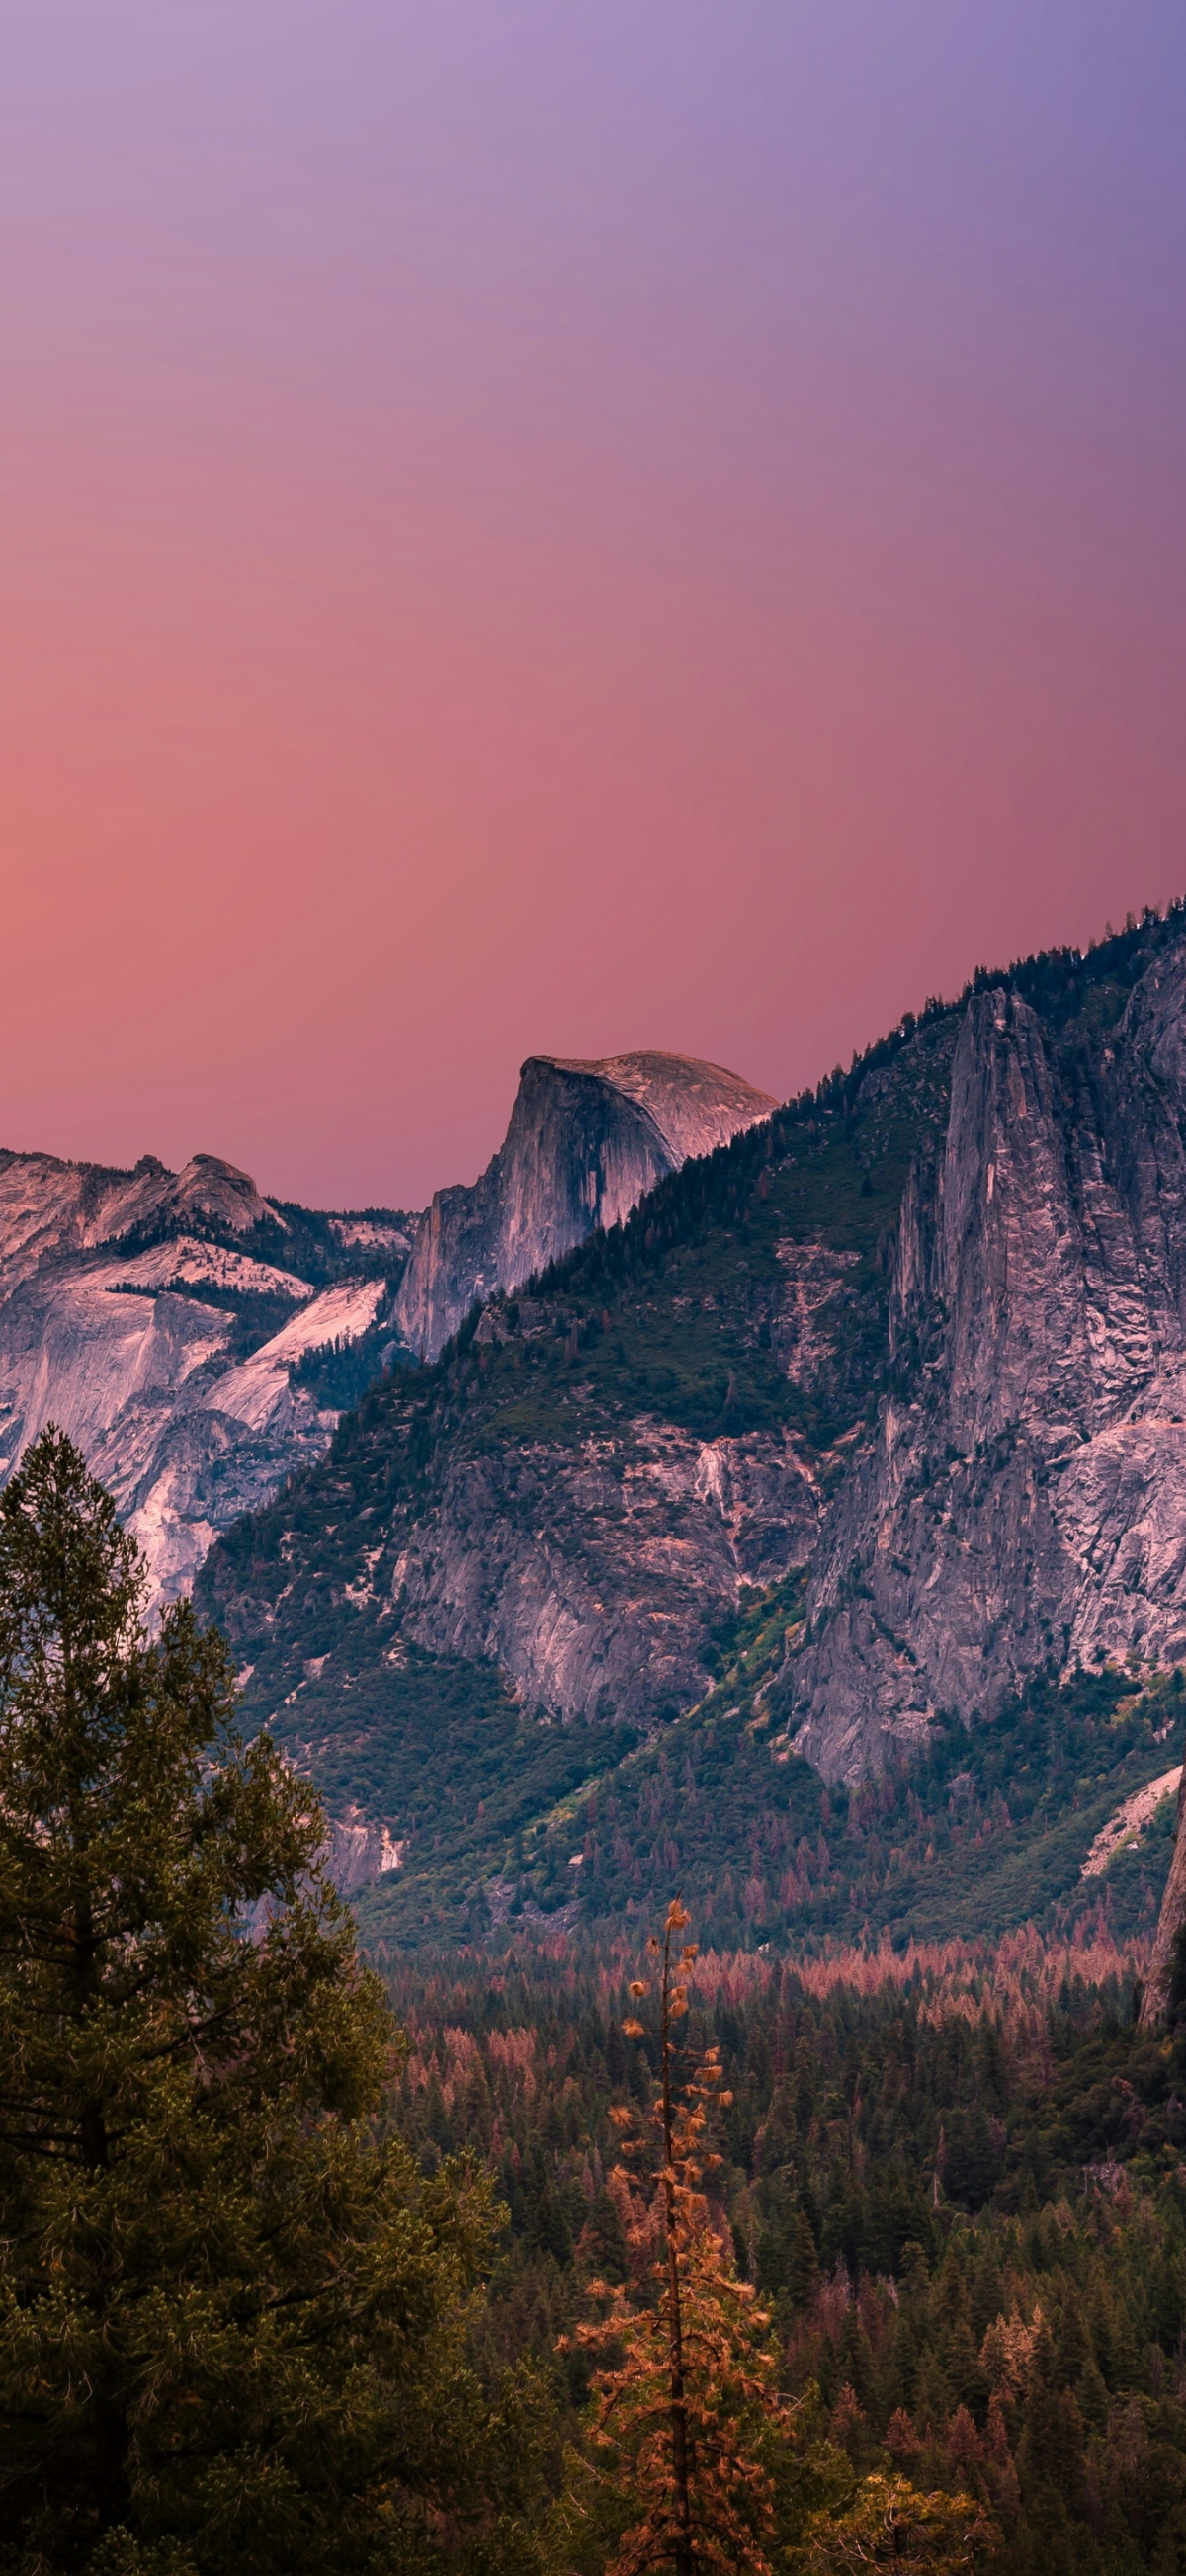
column 566, row 527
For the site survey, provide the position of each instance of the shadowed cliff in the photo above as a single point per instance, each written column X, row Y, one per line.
column 585, row 1143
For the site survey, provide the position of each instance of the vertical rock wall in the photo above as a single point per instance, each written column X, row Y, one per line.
column 1024, row 1499
column 585, row 1143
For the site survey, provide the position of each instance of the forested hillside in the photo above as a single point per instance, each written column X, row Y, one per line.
column 549, row 1609
column 957, row 2178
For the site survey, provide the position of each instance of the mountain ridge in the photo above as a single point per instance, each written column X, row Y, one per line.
column 598, row 1470
column 585, row 1142
column 158, row 1317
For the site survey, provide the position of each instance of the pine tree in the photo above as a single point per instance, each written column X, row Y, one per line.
column 687, row 2402
column 231, row 2320
column 889, row 2524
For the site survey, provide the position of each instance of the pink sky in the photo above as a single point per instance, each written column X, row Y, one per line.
column 566, row 528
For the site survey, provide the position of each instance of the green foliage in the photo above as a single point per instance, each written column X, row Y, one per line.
column 987, row 1829
column 961, row 2197
column 232, row 2319
column 339, row 1372
column 673, row 1317
column 439, row 1749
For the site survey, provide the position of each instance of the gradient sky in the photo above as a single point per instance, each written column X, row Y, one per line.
column 566, row 525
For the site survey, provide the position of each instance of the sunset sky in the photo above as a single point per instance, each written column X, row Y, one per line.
column 566, row 525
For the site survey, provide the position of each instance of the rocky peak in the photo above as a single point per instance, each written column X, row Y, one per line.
column 694, row 1106
column 170, row 1353
column 48, row 1206
column 1024, row 1500
column 586, row 1141
column 209, row 1188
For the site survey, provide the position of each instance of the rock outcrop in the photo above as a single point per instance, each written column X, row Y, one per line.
column 136, row 1311
column 923, row 1334
column 48, row 1206
column 585, row 1143
column 1024, row 1499
column 1169, row 1922
column 594, row 1576
column 1019, row 1501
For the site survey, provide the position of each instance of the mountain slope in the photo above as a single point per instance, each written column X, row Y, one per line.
column 979, row 1832
column 879, row 1348
column 585, row 1143
column 170, row 1323
column 1025, row 1495
column 582, row 1483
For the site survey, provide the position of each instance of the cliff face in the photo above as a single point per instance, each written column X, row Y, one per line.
column 593, row 1578
column 584, row 1487
column 130, row 1316
column 922, row 1334
column 48, row 1206
column 585, row 1143
column 1024, row 1499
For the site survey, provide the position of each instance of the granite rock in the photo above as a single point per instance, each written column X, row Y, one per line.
column 586, row 1141
column 1023, row 1500
column 123, row 1303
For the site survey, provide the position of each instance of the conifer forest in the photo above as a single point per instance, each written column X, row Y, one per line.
column 554, row 2256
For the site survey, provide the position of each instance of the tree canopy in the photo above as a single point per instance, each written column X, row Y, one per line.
column 232, row 2314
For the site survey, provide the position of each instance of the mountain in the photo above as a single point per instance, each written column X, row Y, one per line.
column 585, row 1143
column 1024, row 1495
column 896, row 1372
column 185, row 1331
column 199, row 1341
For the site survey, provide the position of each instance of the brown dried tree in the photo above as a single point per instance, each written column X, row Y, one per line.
column 687, row 2400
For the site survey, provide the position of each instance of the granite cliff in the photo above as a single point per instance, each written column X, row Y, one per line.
column 598, row 1469
column 915, row 1344
column 585, row 1143
column 161, row 1318
column 1023, row 1497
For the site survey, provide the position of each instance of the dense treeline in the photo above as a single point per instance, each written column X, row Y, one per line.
column 985, row 1828
column 233, row 2316
column 789, row 2266
column 956, row 2178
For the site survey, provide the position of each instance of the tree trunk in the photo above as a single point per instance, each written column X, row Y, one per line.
column 684, row 2565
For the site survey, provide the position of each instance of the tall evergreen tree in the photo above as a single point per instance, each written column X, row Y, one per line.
column 231, row 2317
column 687, row 2398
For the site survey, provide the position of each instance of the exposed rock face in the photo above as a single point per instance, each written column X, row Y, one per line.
column 585, row 1143
column 951, row 1291
column 357, row 1852
column 145, row 1355
column 1025, row 1497
column 528, row 1506
column 48, row 1206
column 1131, row 1820
column 593, row 1577
column 1169, row 1922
